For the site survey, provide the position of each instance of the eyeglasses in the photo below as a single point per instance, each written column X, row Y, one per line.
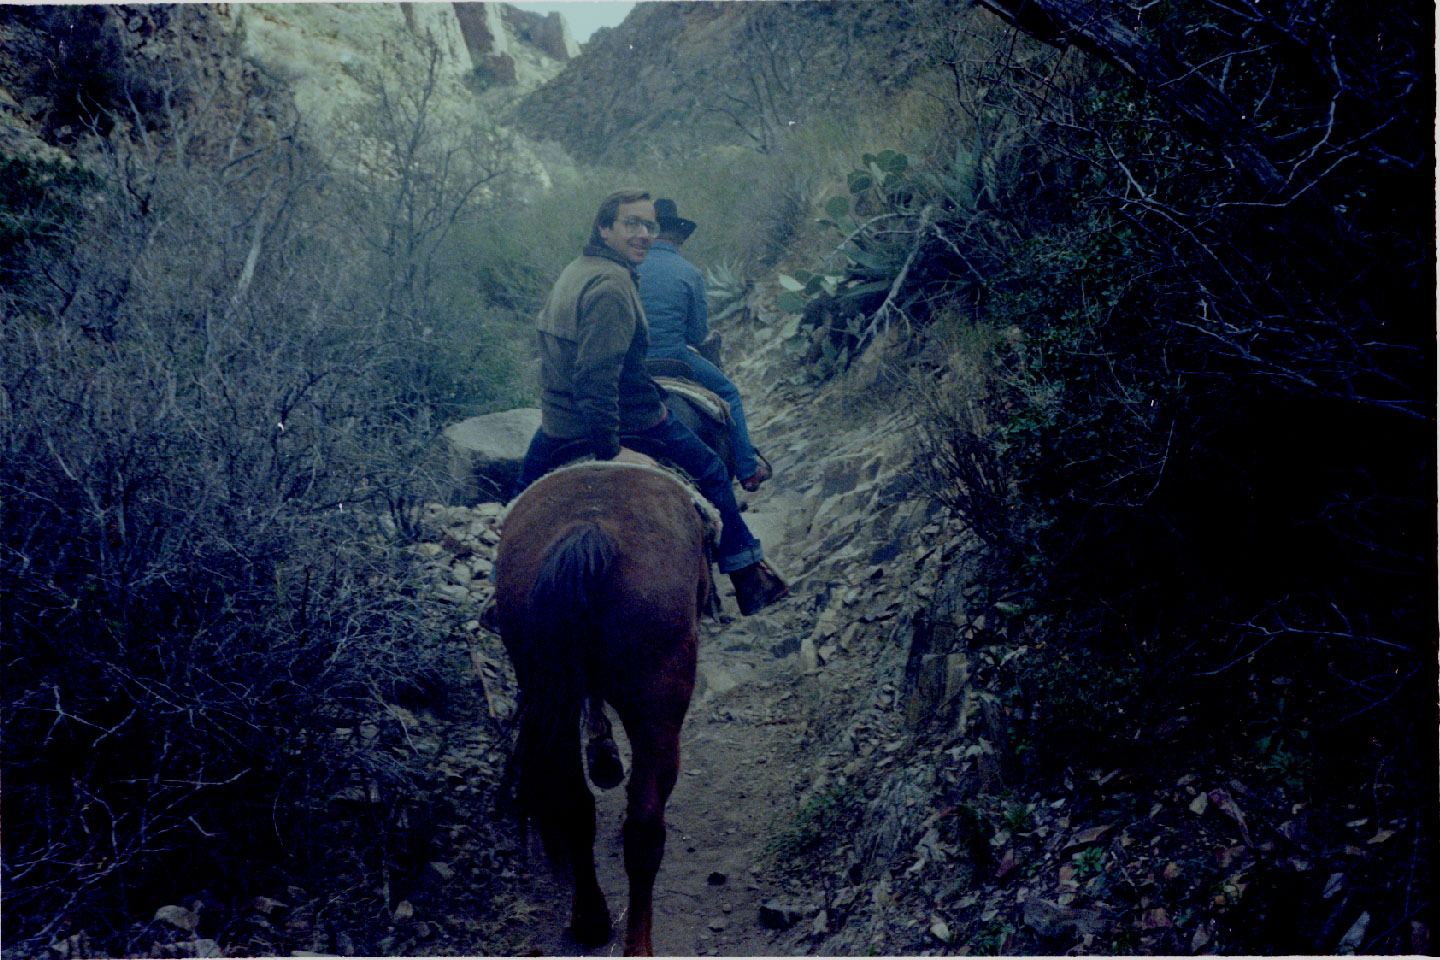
column 640, row 225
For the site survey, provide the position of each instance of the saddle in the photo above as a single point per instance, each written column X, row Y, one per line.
column 697, row 407
column 675, row 379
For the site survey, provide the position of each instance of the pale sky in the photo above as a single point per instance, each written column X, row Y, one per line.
column 584, row 16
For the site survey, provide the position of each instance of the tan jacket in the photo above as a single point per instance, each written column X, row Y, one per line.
column 592, row 339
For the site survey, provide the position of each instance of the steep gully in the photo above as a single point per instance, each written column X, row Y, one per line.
column 800, row 699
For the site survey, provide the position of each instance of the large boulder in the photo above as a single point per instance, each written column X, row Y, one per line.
column 486, row 452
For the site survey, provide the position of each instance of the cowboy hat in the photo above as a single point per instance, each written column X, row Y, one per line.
column 669, row 218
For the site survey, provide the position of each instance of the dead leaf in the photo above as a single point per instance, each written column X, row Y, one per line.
column 1225, row 856
column 1200, row 940
column 1199, row 805
column 1156, row 919
column 267, row 905
column 1334, row 885
column 1227, row 805
column 1093, row 834
column 1381, row 836
column 1355, row 936
column 1086, row 838
column 496, row 704
column 404, row 910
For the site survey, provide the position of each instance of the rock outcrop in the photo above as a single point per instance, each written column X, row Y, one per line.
column 332, row 55
column 485, row 453
column 62, row 70
column 321, row 48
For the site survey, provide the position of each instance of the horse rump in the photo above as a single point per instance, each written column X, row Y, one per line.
column 598, row 579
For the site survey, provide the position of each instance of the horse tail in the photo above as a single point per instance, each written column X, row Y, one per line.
column 563, row 632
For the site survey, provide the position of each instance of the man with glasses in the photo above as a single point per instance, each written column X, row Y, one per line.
column 594, row 389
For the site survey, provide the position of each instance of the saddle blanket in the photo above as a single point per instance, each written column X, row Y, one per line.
column 708, row 401
column 708, row 513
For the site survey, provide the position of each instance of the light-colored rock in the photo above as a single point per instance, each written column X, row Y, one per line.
column 485, row 452
column 1050, row 919
column 328, row 55
column 178, row 917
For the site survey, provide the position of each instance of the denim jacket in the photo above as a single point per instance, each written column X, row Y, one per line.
column 673, row 292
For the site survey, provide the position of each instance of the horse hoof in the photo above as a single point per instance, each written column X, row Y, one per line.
column 594, row 932
column 603, row 759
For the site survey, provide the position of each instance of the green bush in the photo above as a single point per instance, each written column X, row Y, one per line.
column 823, row 816
column 40, row 204
column 1084, row 707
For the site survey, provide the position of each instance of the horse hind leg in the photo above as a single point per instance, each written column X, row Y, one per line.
column 601, row 754
column 655, row 764
column 565, row 810
column 589, row 915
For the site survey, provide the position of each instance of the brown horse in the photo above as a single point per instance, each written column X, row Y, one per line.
column 600, row 577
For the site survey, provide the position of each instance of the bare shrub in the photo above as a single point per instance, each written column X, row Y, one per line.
column 959, row 417
column 411, row 180
column 207, row 457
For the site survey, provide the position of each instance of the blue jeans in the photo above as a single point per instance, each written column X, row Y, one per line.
column 712, row 378
column 676, row 442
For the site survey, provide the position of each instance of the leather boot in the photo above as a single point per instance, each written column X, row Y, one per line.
column 762, row 473
column 757, row 586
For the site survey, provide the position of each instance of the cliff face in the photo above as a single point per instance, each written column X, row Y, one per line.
column 62, row 67
column 486, row 53
column 679, row 76
column 67, row 71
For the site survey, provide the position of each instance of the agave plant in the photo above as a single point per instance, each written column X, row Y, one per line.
column 725, row 290
column 893, row 222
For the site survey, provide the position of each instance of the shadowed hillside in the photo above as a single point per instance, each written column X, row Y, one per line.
column 706, row 74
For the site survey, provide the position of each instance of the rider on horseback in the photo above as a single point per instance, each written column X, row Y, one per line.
column 672, row 291
column 593, row 339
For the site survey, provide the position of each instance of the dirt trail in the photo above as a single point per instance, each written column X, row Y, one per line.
column 736, row 775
